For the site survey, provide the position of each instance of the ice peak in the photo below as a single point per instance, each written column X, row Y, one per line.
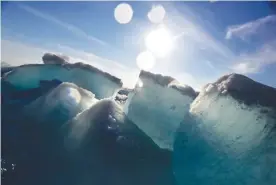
column 50, row 58
column 246, row 90
column 158, row 78
column 170, row 82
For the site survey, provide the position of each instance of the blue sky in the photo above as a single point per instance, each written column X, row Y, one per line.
column 214, row 37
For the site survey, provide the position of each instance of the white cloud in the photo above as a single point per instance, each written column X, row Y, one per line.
column 245, row 67
column 265, row 54
column 255, row 62
column 17, row 53
column 77, row 31
column 248, row 29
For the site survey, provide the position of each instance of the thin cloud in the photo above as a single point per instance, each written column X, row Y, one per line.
column 197, row 45
column 251, row 62
column 91, row 58
column 210, row 65
column 77, row 31
column 185, row 27
column 255, row 62
column 263, row 29
column 25, row 54
column 248, row 29
column 193, row 37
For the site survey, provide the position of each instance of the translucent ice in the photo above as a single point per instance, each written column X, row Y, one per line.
column 60, row 104
column 228, row 137
column 85, row 76
column 110, row 149
column 158, row 106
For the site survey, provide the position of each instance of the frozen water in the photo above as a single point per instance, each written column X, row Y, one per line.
column 57, row 132
column 60, row 104
column 109, row 144
column 158, row 107
column 228, row 137
column 85, row 76
column 5, row 67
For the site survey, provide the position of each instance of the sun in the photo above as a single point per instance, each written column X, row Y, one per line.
column 159, row 42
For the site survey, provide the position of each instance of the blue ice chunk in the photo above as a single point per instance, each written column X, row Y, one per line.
column 85, row 76
column 157, row 106
column 228, row 136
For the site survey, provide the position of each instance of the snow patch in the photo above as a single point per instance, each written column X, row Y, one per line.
column 50, row 58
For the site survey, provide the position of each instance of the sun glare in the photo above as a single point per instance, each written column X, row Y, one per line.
column 145, row 60
column 123, row 13
column 140, row 83
column 157, row 14
column 159, row 42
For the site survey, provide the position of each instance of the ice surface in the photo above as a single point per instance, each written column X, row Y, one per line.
column 61, row 104
column 85, row 76
column 114, row 150
column 5, row 67
column 158, row 107
column 183, row 89
column 99, row 146
column 245, row 90
column 229, row 135
column 59, row 133
column 25, row 144
column 6, row 70
column 14, row 100
column 14, row 97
